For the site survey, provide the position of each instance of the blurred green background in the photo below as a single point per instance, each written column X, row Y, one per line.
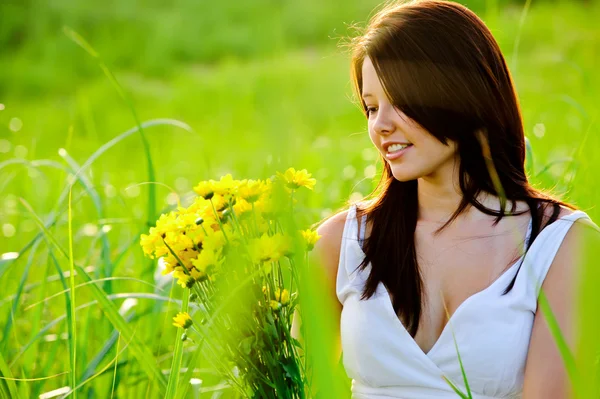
column 263, row 84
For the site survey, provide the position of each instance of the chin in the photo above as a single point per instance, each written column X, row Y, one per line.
column 403, row 175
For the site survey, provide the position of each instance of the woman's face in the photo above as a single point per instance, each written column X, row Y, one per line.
column 411, row 151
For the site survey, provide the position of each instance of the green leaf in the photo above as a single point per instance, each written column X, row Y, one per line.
column 139, row 350
column 73, row 324
column 455, row 388
column 79, row 40
column 185, row 382
column 178, row 353
column 5, row 372
column 561, row 342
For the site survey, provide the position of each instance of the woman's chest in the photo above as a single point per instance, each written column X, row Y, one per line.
column 453, row 269
column 491, row 332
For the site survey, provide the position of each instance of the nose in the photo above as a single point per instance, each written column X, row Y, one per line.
column 384, row 122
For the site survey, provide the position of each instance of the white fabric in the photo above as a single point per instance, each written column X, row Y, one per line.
column 492, row 331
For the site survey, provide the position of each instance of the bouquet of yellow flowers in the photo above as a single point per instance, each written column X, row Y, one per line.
column 234, row 251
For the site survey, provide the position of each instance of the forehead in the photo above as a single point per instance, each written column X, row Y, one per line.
column 371, row 86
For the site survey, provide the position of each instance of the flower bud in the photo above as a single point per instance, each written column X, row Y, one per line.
column 226, row 213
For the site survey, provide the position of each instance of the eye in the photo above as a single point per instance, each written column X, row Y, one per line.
column 369, row 110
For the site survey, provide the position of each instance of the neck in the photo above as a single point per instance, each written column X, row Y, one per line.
column 439, row 194
column 437, row 200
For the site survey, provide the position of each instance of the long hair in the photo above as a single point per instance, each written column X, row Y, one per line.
column 440, row 65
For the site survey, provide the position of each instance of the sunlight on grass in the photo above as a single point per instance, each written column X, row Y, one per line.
column 77, row 187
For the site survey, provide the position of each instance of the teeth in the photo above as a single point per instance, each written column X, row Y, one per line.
column 397, row 147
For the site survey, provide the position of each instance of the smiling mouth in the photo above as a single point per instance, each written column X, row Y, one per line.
column 395, row 151
column 397, row 147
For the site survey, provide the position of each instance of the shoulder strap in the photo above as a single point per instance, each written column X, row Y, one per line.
column 344, row 274
column 542, row 252
column 349, row 277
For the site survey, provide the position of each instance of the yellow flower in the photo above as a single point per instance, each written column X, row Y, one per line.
column 187, row 257
column 166, row 223
column 220, row 202
column 215, row 240
column 205, row 189
column 182, row 320
column 296, row 179
column 184, row 280
column 310, row 238
column 149, row 243
column 280, row 296
column 266, row 207
column 178, row 241
column 170, row 263
column 283, row 296
column 198, row 275
column 269, row 248
column 274, row 305
column 242, row 206
column 226, row 186
column 251, row 190
column 208, row 260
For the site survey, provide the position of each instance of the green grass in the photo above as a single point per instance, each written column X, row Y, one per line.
column 210, row 104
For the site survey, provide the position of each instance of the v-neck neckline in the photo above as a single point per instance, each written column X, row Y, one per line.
column 387, row 301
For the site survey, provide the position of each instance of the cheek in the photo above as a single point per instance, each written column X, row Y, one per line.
column 440, row 153
column 372, row 135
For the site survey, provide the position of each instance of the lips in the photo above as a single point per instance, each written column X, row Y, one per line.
column 394, row 145
column 396, row 150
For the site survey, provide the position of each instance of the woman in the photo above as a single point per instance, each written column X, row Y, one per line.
column 437, row 254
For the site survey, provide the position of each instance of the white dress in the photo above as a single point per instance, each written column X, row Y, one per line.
column 492, row 331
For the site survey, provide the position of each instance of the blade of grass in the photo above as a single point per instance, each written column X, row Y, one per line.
column 79, row 40
column 52, row 219
column 588, row 349
column 92, row 282
column 49, row 361
column 184, row 385
column 469, row 395
column 104, row 351
column 454, row 388
column 178, row 353
column 73, row 324
column 529, row 158
column 31, row 358
column 560, row 341
column 549, row 165
column 141, row 352
column 57, row 320
column 15, row 302
column 93, row 193
column 8, row 382
column 112, row 391
column 35, row 379
column 76, row 388
column 515, row 54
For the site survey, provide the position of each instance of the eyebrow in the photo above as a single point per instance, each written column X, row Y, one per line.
column 365, row 95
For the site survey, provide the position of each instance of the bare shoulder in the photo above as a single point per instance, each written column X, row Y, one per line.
column 582, row 239
column 545, row 375
column 327, row 250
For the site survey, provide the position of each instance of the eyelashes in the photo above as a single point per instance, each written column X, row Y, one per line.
column 368, row 110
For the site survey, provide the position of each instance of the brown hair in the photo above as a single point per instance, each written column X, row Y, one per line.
column 440, row 65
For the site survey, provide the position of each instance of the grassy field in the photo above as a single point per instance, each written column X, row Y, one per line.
column 255, row 89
